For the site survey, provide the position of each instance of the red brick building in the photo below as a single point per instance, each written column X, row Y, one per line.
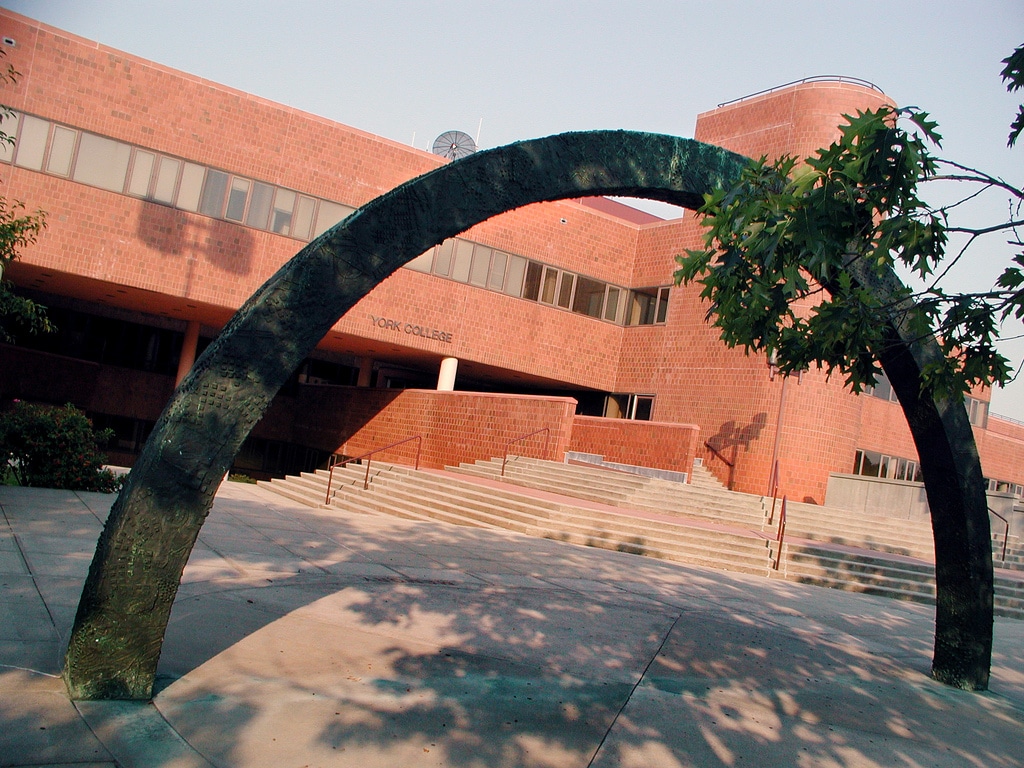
column 170, row 199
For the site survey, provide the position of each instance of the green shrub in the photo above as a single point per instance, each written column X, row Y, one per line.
column 48, row 447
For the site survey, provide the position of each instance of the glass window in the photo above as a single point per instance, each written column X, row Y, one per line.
column 102, row 162
column 9, row 125
column 463, row 260
column 531, row 285
column 62, row 150
column 496, row 277
column 423, row 262
column 643, row 306
column 481, row 266
column 589, row 297
column 166, row 180
column 516, row 273
column 641, row 407
column 142, row 172
column 216, row 186
column 443, row 262
column 31, row 146
column 565, row 290
column 303, row 218
column 330, row 214
column 977, row 411
column 662, row 305
column 259, row 206
column 281, row 218
column 191, row 187
column 547, row 294
column 238, row 194
column 611, row 305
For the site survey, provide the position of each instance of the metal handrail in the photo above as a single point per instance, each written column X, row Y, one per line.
column 508, row 445
column 1006, row 533
column 781, row 535
column 814, row 79
column 337, row 461
column 773, row 489
column 711, row 448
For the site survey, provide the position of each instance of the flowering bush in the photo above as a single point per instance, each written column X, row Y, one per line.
column 49, row 447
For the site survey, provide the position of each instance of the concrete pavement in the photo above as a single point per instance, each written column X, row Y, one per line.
column 306, row 638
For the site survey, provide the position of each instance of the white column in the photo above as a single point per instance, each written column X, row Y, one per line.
column 188, row 350
column 446, row 378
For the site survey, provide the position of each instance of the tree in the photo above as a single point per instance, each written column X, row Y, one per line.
column 47, row 447
column 800, row 263
column 18, row 229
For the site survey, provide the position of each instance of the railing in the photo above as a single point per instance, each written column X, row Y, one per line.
column 1006, row 533
column 509, row 444
column 782, row 534
column 814, row 79
column 337, row 461
column 773, row 489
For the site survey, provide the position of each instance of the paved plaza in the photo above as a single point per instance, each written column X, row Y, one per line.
column 310, row 638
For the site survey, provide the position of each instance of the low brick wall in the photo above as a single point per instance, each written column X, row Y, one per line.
column 641, row 443
column 456, row 426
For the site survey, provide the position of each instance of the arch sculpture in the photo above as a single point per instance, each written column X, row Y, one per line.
column 126, row 602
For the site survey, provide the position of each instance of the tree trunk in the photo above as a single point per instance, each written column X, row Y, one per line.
column 955, row 487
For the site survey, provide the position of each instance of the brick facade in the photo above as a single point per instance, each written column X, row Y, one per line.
column 107, row 252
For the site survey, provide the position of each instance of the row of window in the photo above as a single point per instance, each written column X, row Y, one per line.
column 1005, row 486
column 98, row 161
column 977, row 410
column 875, row 464
column 87, row 158
column 486, row 267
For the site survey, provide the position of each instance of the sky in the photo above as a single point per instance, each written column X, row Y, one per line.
column 409, row 70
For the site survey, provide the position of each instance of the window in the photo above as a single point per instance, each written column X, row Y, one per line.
column 31, row 145
column 330, row 214
column 531, row 286
column 259, row 207
column 102, row 162
column 514, row 278
column 9, row 125
column 565, row 288
column 647, row 306
column 462, row 261
column 166, row 180
column 191, row 187
column 303, row 222
column 443, row 260
column 62, row 151
column 496, row 276
column 140, row 174
column 875, row 464
column 423, row 262
column 212, row 201
column 284, row 205
column 481, row 266
column 589, row 298
column 977, row 411
column 238, row 195
column 636, row 407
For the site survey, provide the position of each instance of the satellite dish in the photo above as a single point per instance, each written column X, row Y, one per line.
column 454, row 144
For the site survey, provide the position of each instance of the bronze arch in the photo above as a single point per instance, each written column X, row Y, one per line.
column 119, row 628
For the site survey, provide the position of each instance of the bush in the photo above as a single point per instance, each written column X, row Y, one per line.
column 47, row 447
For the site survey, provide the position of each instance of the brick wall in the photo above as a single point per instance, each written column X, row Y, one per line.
column 456, row 426
column 641, row 443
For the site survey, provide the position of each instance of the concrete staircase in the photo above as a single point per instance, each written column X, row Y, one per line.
column 699, row 523
column 446, row 497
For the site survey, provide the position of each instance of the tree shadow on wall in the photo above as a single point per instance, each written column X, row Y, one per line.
column 424, row 644
column 724, row 445
column 226, row 245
